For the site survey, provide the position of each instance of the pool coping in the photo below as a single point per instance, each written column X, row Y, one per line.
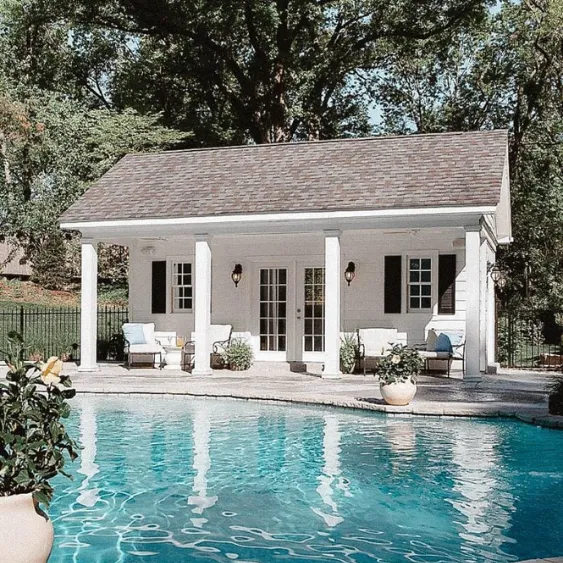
column 537, row 417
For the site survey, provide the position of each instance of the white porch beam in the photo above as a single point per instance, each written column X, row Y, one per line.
column 89, row 306
column 202, row 305
column 473, row 298
column 332, row 305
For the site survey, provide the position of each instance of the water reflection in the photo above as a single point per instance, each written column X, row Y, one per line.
column 202, row 464
column 331, row 475
column 88, row 467
column 485, row 504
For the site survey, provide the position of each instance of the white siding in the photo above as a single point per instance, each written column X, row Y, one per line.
column 362, row 302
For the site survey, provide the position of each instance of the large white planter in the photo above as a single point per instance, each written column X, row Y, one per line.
column 398, row 393
column 26, row 533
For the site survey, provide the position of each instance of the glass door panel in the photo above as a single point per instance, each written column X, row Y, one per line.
column 314, row 314
column 273, row 309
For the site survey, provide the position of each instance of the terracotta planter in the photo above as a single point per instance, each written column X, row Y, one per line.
column 398, row 393
column 26, row 533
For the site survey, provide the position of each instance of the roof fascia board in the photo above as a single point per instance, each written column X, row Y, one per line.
column 279, row 217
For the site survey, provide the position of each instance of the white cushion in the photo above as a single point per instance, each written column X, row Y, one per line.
column 433, row 355
column 148, row 329
column 377, row 341
column 145, row 349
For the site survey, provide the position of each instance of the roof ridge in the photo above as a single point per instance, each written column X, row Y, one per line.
column 348, row 140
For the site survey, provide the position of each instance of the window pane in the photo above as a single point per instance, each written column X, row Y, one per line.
column 425, row 276
column 414, row 264
column 425, row 264
column 281, row 343
column 281, row 326
column 318, row 326
column 263, row 310
column 319, row 275
column 282, row 278
column 318, row 310
column 414, row 303
column 308, row 326
column 414, row 276
column 308, row 344
column 282, row 310
column 415, row 290
column 426, row 303
column 263, row 276
column 318, row 343
column 282, row 293
column 426, row 290
column 264, row 293
column 308, row 310
column 263, row 343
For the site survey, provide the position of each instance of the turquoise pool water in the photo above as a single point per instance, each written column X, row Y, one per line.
column 185, row 480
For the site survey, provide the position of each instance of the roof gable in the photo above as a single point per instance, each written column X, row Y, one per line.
column 376, row 173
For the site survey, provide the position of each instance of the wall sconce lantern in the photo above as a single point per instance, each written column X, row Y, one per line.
column 236, row 274
column 350, row 272
column 498, row 277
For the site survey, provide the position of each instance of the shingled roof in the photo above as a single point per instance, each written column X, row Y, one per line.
column 376, row 173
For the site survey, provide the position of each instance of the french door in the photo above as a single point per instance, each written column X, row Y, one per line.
column 273, row 311
column 313, row 339
column 291, row 313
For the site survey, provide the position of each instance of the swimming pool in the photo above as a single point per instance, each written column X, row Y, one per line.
column 204, row 480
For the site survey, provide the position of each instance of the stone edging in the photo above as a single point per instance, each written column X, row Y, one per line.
column 529, row 417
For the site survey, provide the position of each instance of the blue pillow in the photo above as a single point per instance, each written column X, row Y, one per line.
column 444, row 344
column 456, row 338
column 134, row 334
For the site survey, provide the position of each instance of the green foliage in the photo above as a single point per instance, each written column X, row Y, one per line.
column 47, row 260
column 348, row 352
column 33, row 440
column 238, row 355
column 401, row 364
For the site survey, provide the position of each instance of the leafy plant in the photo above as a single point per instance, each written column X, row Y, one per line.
column 348, row 352
column 555, row 401
column 401, row 364
column 34, row 443
column 238, row 355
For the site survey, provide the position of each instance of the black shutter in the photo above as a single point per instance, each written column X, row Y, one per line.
column 158, row 287
column 446, row 284
column 393, row 284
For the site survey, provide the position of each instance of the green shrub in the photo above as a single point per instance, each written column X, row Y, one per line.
column 33, row 441
column 238, row 355
column 348, row 353
column 401, row 364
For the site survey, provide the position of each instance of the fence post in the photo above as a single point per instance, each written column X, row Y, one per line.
column 21, row 322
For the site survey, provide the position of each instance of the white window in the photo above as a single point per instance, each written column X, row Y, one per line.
column 420, row 284
column 182, row 289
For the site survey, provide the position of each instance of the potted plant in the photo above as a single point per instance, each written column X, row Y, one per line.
column 33, row 447
column 238, row 355
column 555, row 401
column 397, row 375
column 348, row 352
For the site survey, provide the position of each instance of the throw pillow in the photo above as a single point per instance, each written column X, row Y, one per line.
column 134, row 334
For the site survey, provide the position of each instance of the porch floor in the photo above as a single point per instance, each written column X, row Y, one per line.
column 510, row 393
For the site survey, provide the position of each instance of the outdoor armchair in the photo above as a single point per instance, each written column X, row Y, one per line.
column 374, row 343
column 140, row 341
column 444, row 346
column 220, row 338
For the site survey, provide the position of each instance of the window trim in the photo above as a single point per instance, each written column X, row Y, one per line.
column 433, row 256
column 172, row 262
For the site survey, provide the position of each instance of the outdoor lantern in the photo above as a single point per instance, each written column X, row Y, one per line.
column 498, row 277
column 350, row 272
column 237, row 274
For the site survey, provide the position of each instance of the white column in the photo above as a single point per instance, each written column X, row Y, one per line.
column 472, row 313
column 202, row 305
column 483, row 305
column 89, row 306
column 332, row 305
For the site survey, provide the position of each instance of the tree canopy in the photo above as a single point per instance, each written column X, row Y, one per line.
column 83, row 82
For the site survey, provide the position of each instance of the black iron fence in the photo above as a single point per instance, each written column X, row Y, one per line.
column 530, row 338
column 56, row 331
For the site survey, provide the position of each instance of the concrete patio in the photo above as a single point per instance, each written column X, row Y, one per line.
column 511, row 393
